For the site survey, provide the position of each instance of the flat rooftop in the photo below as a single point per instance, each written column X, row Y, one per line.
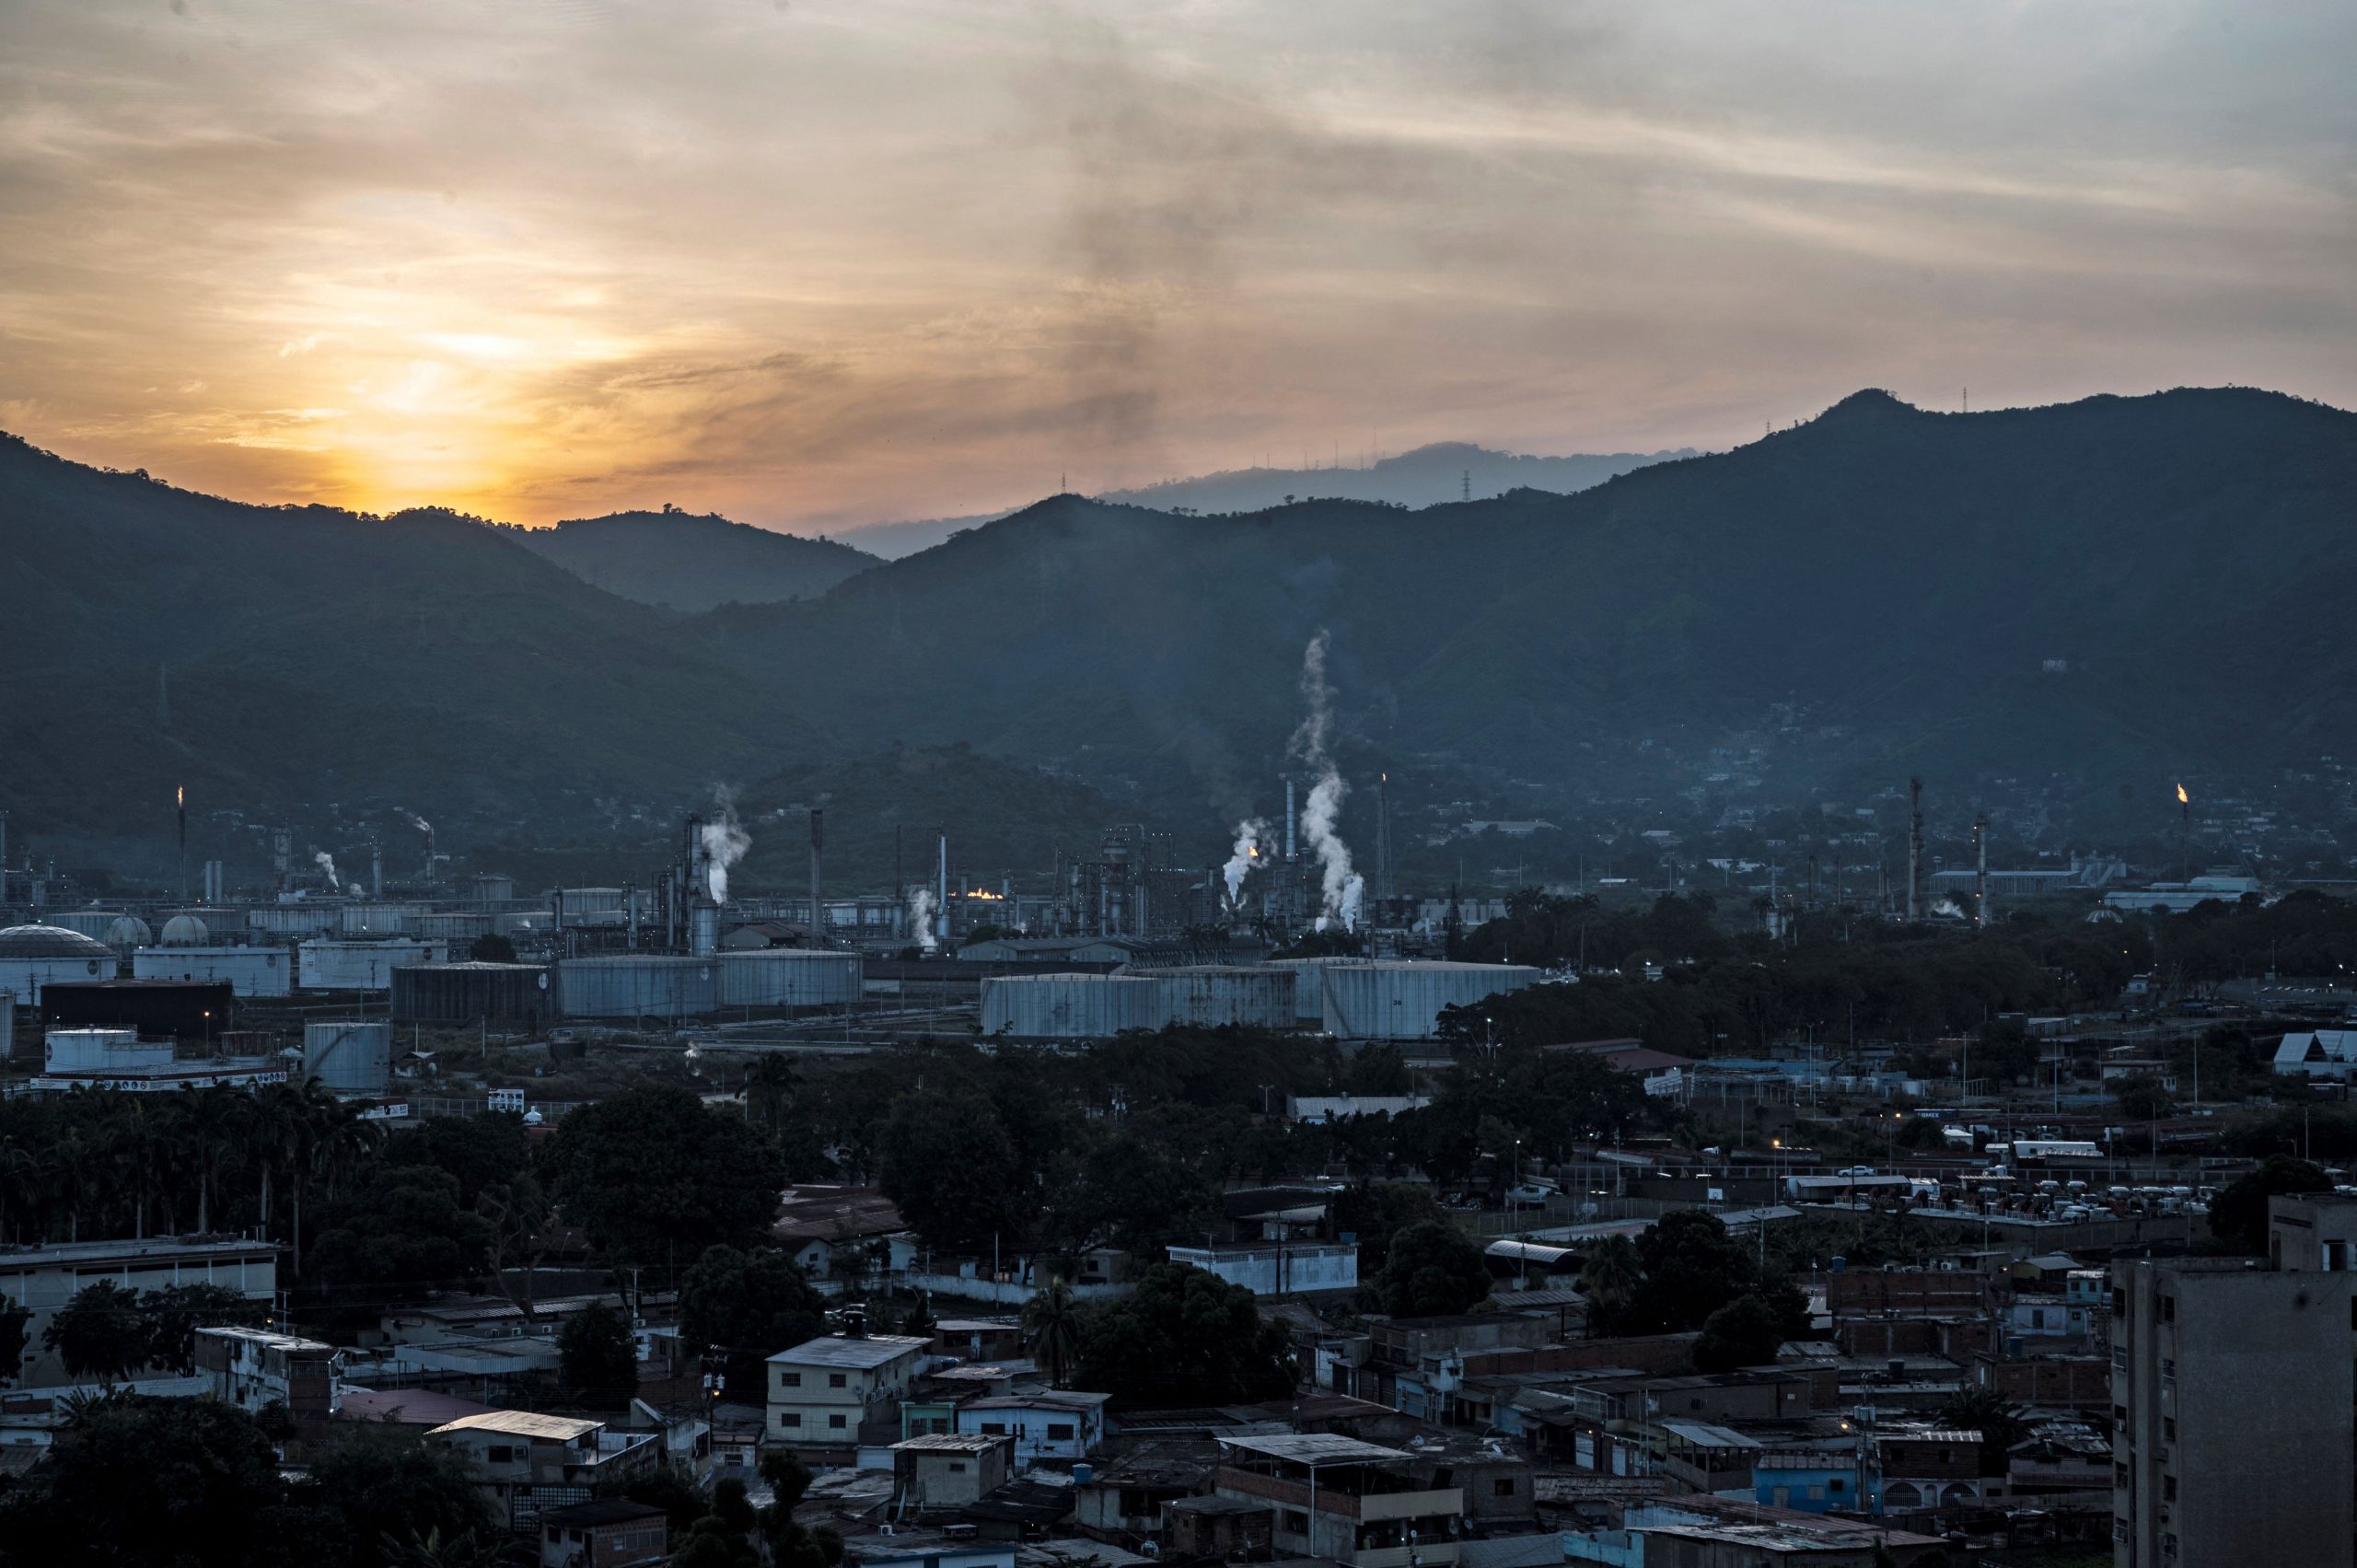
column 1315, row 1449
column 841, row 1350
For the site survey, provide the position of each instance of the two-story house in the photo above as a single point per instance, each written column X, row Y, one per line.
column 529, row 1464
column 824, row 1390
column 253, row 1368
column 1059, row 1425
column 1350, row 1503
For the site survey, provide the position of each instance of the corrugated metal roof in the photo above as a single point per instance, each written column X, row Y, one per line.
column 1314, row 1448
column 837, row 1350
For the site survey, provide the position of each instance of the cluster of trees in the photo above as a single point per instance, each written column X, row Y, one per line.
column 106, row 1332
column 1726, row 993
column 105, row 1163
column 1687, row 1274
column 197, row 1482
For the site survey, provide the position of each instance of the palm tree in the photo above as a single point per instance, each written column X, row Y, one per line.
column 208, row 1133
column 73, row 1162
column 267, row 1136
column 19, row 1173
column 1051, row 1330
column 1609, row 1280
column 769, row 1090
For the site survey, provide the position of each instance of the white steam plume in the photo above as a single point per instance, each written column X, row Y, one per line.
column 326, row 863
column 1947, row 906
column 724, row 843
column 921, row 916
column 1247, row 857
column 420, row 823
column 1341, row 889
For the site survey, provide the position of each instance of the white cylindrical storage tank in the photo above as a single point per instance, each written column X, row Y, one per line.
column 294, row 919
column 1403, row 1000
column 452, row 927
column 790, row 977
column 332, row 965
column 638, row 986
column 1309, row 996
column 92, row 922
column 1066, row 1007
column 99, row 1050
column 704, row 928
column 382, row 918
column 1209, row 995
column 349, row 1058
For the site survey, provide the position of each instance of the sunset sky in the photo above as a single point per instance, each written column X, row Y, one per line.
column 816, row 262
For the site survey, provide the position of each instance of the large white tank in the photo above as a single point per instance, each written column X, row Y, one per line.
column 1394, row 999
column 1309, row 994
column 349, row 1058
column 126, row 932
column 382, row 918
column 1066, row 1007
column 1209, row 995
column 790, row 977
column 102, row 1051
column 250, row 971
column 638, row 986
column 332, row 965
column 294, row 919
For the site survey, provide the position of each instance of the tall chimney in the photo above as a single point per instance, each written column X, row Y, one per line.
column 941, row 893
column 376, row 869
column 1981, row 879
column 1288, row 822
column 817, row 843
column 1914, row 849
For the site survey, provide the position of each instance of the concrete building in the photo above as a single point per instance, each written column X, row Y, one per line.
column 254, row 1368
column 43, row 1278
column 1060, row 1426
column 250, row 971
column 949, row 1469
column 1350, row 1503
column 2237, row 1427
column 1278, row 1267
column 608, row 1532
column 529, row 1464
column 823, row 1391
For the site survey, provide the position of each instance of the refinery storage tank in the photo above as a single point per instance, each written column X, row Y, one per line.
column 186, row 931
column 638, row 986
column 1209, row 995
column 457, row 929
column 103, row 1051
column 382, row 918
column 92, row 922
column 791, row 977
column 472, row 992
column 349, row 1058
column 1309, row 996
column 126, row 932
column 1066, row 1007
column 296, row 919
column 250, row 971
column 32, row 955
column 1401, row 1000
column 332, row 965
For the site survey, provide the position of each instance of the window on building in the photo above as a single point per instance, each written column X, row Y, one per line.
column 1835, row 1484
column 956, row 1467
column 1060, row 1432
column 993, row 1428
column 2168, row 1489
column 789, row 1379
column 2168, row 1429
column 835, row 1380
column 2168, row 1310
column 789, row 1418
column 1296, row 1522
column 1502, row 1487
column 499, row 1454
column 835, row 1421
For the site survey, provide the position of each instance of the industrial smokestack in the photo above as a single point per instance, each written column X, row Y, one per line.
column 817, row 843
column 1914, row 850
column 1981, row 877
column 941, row 893
column 1289, row 822
column 376, row 869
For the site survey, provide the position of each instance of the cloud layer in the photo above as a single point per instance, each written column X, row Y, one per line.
column 836, row 260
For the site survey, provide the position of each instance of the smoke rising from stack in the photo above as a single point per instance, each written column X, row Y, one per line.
column 1341, row 889
column 724, row 843
column 1246, row 856
column 326, row 863
column 921, row 916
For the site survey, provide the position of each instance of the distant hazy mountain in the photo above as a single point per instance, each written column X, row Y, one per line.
column 1427, row 476
column 686, row 561
column 2101, row 592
